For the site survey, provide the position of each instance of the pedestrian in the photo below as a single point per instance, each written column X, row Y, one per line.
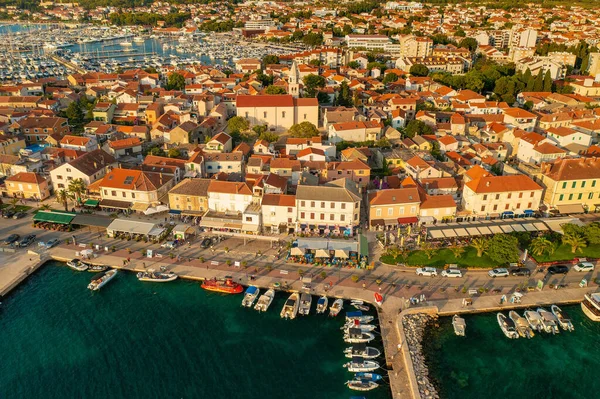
column 206, row 267
column 124, row 262
column 364, row 285
column 379, row 288
column 128, row 260
column 144, row 264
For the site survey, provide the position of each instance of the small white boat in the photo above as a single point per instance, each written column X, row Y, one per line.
column 356, row 335
column 356, row 302
column 336, row 308
column 305, row 302
column 78, row 265
column 361, row 350
column 156, row 277
column 357, row 315
column 507, row 326
column 459, row 324
column 362, row 327
column 358, row 364
column 264, row 301
column 564, row 321
column 549, row 321
column 322, row 305
column 360, row 306
column 290, row 308
column 250, row 296
column 362, row 384
column 101, row 280
column 534, row 320
column 521, row 324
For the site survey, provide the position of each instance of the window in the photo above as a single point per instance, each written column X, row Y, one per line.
column 355, row 216
column 304, row 116
column 331, row 217
column 495, row 207
column 413, row 209
column 497, row 196
column 312, row 215
column 333, row 205
column 378, row 212
column 520, row 195
column 248, row 218
column 302, row 215
column 506, row 207
column 483, row 208
column 401, row 210
column 123, row 194
column 570, row 197
column 264, row 115
column 531, row 195
column 59, row 177
column 322, row 216
column 529, row 205
column 485, row 197
column 322, row 205
column 312, row 204
column 68, row 169
column 356, row 205
column 390, row 211
column 60, row 185
column 342, row 218
column 579, row 196
column 593, row 183
column 302, row 203
column 283, row 114
column 133, row 196
column 113, row 193
column 573, row 185
column 343, row 205
column 105, row 192
column 519, row 205
column 591, row 195
column 509, row 195
column 290, row 210
column 561, row 197
column 583, row 184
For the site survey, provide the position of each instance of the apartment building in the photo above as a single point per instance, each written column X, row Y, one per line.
column 190, row 196
column 388, row 209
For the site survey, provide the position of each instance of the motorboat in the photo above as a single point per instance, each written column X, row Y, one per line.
column 305, row 302
column 359, row 306
column 250, row 296
column 78, row 265
column 564, row 321
column 549, row 321
column 101, row 279
column 336, row 308
column 322, row 305
column 369, row 376
column 96, row 268
column 362, row 384
column 507, row 326
column 362, row 350
column 459, row 324
column 358, row 315
column 264, row 301
column 521, row 324
column 157, row 277
column 362, row 327
column 591, row 306
column 226, row 286
column 534, row 320
column 356, row 335
column 290, row 308
column 358, row 364
column 378, row 298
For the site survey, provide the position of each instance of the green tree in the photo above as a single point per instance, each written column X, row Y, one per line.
column 175, row 81
column 237, row 124
column 304, row 129
column 390, row 78
column 547, row 84
column 269, row 136
column 481, row 245
column 354, row 64
column 313, row 39
column 63, row 196
column 74, row 112
column 419, row 70
column 270, row 59
column 538, row 83
column 474, row 80
column 344, row 95
column 592, row 233
column 323, row 98
column 429, row 250
column 77, row 187
column 275, row 90
column 259, row 129
column 541, row 245
column 159, row 152
column 311, row 83
column 576, row 241
column 457, row 251
column 174, row 153
column 468, row 43
column 417, row 128
column 503, row 248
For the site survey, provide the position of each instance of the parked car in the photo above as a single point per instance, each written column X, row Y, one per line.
column 19, row 215
column 520, row 271
column 8, row 214
column 452, row 273
column 584, row 267
column 11, row 239
column 26, row 241
column 559, row 269
column 169, row 244
column 427, row 271
column 49, row 244
column 206, row 243
column 499, row 272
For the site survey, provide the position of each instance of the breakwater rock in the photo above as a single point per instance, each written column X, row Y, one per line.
column 414, row 327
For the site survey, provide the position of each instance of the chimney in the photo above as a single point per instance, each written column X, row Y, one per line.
column 95, row 165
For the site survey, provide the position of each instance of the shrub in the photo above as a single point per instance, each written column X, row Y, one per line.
column 355, row 278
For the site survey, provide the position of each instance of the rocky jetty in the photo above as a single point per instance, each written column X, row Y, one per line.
column 414, row 327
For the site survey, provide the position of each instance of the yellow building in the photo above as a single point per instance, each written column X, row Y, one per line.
column 11, row 145
column 190, row 196
column 389, row 209
column 572, row 185
column 27, row 185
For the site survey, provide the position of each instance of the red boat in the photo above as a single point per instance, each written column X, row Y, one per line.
column 226, row 286
column 378, row 298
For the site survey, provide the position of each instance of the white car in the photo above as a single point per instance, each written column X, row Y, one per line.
column 584, row 267
column 427, row 271
column 169, row 245
column 452, row 273
column 500, row 272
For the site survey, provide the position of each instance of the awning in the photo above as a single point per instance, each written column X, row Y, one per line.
column 108, row 203
column 140, row 206
column 540, row 226
column 175, row 212
column 518, row 227
column 461, row 232
column 495, row 229
column 529, row 227
column 377, row 222
column 507, row 228
column 157, row 209
column 250, row 227
column 436, row 233
column 92, row 203
column 295, row 251
column 528, row 212
column 155, row 232
column 409, row 220
column 449, row 233
column 473, row 231
column 340, row 253
column 484, row 230
column 570, row 208
column 54, row 217
column 321, row 253
column 132, row 227
column 92, row 220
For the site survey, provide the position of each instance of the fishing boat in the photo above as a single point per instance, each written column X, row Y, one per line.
column 459, row 324
column 534, row 320
column 521, row 324
column 358, row 315
column 226, row 286
column 360, row 306
column 358, row 364
column 507, row 326
column 101, row 279
column 378, row 299
column 305, row 302
column 96, row 268
column 362, row 350
column 356, row 335
column 290, row 308
column 157, row 277
column 369, row 376
column 250, row 296
column 322, row 305
column 361, row 384
column 264, row 301
column 591, row 306
column 362, row 327
column 549, row 321
column 336, row 308
column 564, row 321
column 78, row 265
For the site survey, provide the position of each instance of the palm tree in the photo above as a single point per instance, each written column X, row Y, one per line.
column 481, row 245
column 393, row 252
column 63, row 196
column 457, row 251
column 429, row 250
column 540, row 245
column 45, row 207
column 576, row 241
column 77, row 188
column 13, row 202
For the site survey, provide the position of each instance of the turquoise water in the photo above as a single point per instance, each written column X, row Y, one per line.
column 174, row 340
column 487, row 364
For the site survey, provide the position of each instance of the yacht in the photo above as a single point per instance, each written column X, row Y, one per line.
column 459, row 324
column 78, row 265
column 336, row 308
column 305, row 302
column 507, row 326
column 534, row 320
column 290, row 308
column 591, row 306
column 549, row 321
column 250, row 296
column 521, row 324
column 362, row 350
column 157, row 277
column 358, row 364
column 351, row 316
column 360, row 384
column 101, row 279
column 356, row 335
column 564, row 321
column 264, row 301
column 322, row 305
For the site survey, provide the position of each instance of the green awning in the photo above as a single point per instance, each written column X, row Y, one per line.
column 91, row 203
column 54, row 217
